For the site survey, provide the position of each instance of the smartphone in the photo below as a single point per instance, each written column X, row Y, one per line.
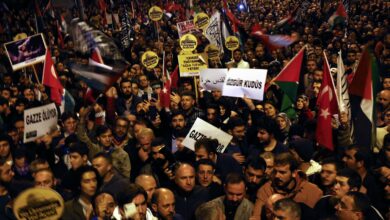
column 130, row 210
column 145, row 96
column 154, row 96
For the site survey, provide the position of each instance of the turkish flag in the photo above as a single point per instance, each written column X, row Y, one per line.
column 51, row 80
column 327, row 105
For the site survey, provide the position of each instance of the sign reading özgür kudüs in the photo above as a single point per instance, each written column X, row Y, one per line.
column 39, row 121
column 201, row 129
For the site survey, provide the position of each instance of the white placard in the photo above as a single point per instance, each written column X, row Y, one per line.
column 39, row 121
column 212, row 79
column 201, row 129
column 248, row 82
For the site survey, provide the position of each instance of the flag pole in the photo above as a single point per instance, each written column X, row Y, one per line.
column 36, row 75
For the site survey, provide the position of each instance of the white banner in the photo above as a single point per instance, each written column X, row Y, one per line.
column 212, row 79
column 201, row 129
column 39, row 121
column 248, row 82
column 213, row 31
column 185, row 27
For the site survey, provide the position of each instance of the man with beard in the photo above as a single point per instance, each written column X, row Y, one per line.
column 237, row 146
column 205, row 177
column 212, row 115
column 233, row 203
column 5, row 148
column 163, row 205
column 136, row 195
column 121, row 136
column 161, row 161
column 287, row 181
column 254, row 177
column 327, row 177
column 126, row 103
column 383, row 105
column 188, row 105
column 6, row 175
column 178, row 123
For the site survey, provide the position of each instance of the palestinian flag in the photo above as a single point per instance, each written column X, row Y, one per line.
column 363, row 90
column 339, row 16
column 288, row 80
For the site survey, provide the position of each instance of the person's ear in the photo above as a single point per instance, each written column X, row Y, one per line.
column 360, row 164
column 154, row 207
column 85, row 158
column 294, row 174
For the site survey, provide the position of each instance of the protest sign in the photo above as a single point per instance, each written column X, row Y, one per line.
column 26, row 52
column 155, row 13
column 248, row 82
column 39, row 121
column 232, row 43
column 149, row 59
column 201, row 20
column 38, row 203
column 191, row 64
column 213, row 31
column 185, row 27
column 188, row 42
column 212, row 79
column 202, row 129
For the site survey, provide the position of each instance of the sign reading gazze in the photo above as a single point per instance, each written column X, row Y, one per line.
column 39, row 121
column 202, row 129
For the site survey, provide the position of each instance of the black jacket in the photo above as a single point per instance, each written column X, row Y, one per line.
column 187, row 202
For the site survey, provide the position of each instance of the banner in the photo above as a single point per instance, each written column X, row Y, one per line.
column 185, row 27
column 213, row 31
column 39, row 121
column 26, row 52
column 202, row 129
column 191, row 64
column 213, row 79
column 248, row 82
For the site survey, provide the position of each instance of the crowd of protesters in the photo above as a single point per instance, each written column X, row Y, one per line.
column 124, row 147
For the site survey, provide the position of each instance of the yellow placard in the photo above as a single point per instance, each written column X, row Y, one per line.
column 191, row 64
column 149, row 59
column 212, row 52
column 232, row 43
column 155, row 13
column 38, row 203
column 201, row 20
column 188, row 42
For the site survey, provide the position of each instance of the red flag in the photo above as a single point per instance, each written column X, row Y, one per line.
column 175, row 78
column 327, row 105
column 273, row 42
column 51, row 80
column 234, row 21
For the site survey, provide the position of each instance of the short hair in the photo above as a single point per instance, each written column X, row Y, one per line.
column 354, row 179
column 176, row 113
column 66, row 115
column 234, row 178
column 188, row 93
column 105, row 156
column 204, row 162
column 157, row 193
column 267, row 155
column 179, row 165
column 130, row 192
column 124, row 81
column 213, row 106
column 45, row 170
column 207, row 211
column 80, row 148
column 123, row 118
column 269, row 125
column 289, row 205
column 257, row 163
column 4, row 101
column 331, row 160
column 146, row 132
column 235, row 122
column 101, row 129
column 361, row 155
column 209, row 144
column 34, row 164
column 286, row 158
column 361, row 202
column 5, row 137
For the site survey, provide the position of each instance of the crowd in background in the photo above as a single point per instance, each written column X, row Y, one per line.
column 124, row 147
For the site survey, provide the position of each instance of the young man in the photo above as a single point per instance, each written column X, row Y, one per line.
column 254, row 177
column 205, row 177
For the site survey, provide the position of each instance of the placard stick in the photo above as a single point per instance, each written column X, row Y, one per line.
column 196, row 88
column 36, row 75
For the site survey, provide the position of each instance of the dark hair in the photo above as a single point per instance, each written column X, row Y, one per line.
column 130, row 192
column 66, row 115
column 361, row 202
column 204, row 162
column 361, row 155
column 286, row 158
column 289, row 205
column 85, row 169
column 124, row 81
column 123, row 119
column 333, row 161
column 187, row 93
column 234, row 178
column 213, row 106
column 80, row 148
column 210, row 145
column 104, row 155
column 5, row 137
column 257, row 163
column 354, row 179
column 176, row 113
column 4, row 101
column 235, row 122
column 269, row 125
column 101, row 130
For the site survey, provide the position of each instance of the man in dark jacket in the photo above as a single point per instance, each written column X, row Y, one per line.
column 188, row 196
